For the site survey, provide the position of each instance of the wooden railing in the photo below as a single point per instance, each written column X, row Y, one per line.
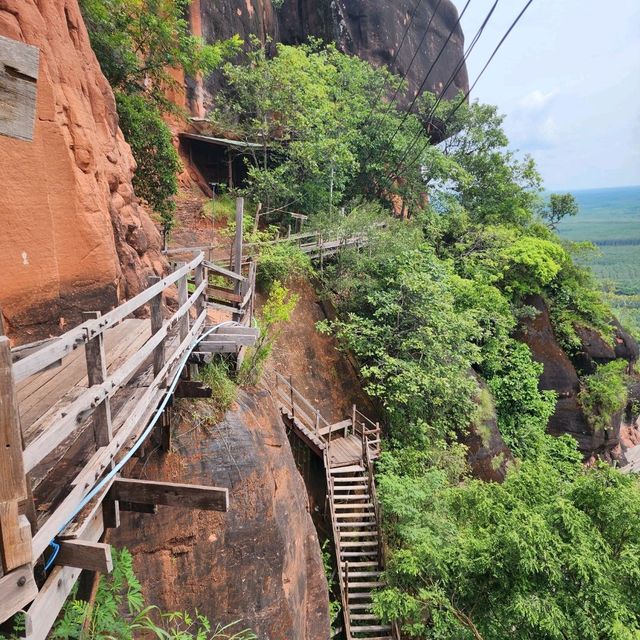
column 342, row 578
column 23, row 541
column 368, row 430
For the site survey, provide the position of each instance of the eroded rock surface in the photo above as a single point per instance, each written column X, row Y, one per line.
column 561, row 375
column 370, row 29
column 73, row 236
column 260, row 562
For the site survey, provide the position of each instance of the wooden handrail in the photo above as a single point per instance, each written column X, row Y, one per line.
column 67, row 342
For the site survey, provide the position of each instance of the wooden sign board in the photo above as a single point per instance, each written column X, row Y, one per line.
column 18, row 79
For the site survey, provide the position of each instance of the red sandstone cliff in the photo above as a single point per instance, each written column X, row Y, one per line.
column 73, row 236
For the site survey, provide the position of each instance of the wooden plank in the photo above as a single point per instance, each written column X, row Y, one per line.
column 67, row 420
column 14, row 542
column 15, row 537
column 70, row 340
column 223, row 294
column 82, row 554
column 212, row 266
column 171, row 494
column 183, row 296
column 224, row 338
column 200, row 277
column 249, row 331
column 136, row 420
column 18, row 88
column 17, row 590
column 224, row 307
column 156, row 325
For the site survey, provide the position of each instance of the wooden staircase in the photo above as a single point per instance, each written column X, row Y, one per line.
column 355, row 522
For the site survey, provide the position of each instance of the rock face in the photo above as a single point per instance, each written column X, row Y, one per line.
column 260, row 562
column 73, row 235
column 370, row 29
column 561, row 375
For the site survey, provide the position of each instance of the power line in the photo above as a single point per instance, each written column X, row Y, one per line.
column 468, row 92
column 440, row 98
column 404, row 75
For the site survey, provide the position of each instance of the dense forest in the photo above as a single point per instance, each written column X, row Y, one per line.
column 458, row 241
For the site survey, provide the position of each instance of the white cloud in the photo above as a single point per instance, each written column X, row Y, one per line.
column 536, row 100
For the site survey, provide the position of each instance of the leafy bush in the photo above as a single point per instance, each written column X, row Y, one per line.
column 216, row 375
column 480, row 559
column 282, row 262
column 604, row 394
column 275, row 311
column 157, row 160
column 523, row 410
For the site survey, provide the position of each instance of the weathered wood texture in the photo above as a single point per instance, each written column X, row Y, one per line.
column 15, row 541
column 82, row 554
column 17, row 589
column 18, row 88
column 171, row 494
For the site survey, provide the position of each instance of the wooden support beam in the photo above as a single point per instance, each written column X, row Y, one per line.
column 156, row 325
column 138, row 508
column 17, row 589
column 237, row 250
column 183, row 296
column 18, row 86
column 216, row 268
column 171, row 494
column 15, row 540
column 200, row 277
column 82, row 554
column 218, row 347
column 192, row 389
column 165, row 429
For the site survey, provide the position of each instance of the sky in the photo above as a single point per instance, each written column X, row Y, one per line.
column 568, row 81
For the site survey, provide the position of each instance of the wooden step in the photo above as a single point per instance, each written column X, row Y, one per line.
column 363, row 616
column 358, row 554
column 364, row 505
column 344, row 479
column 348, row 469
column 373, row 584
column 350, row 487
column 370, row 543
column 360, row 606
column 341, row 516
column 367, row 563
column 358, row 534
column 363, row 574
column 359, row 496
column 369, row 628
column 360, row 595
column 342, row 525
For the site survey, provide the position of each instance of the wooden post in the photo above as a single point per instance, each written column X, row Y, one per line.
column 183, row 295
column 165, row 433
column 102, row 428
column 15, row 535
column 318, row 423
column 353, row 423
column 156, row 325
column 293, row 411
column 257, row 218
column 97, row 373
column 199, row 279
column 237, row 250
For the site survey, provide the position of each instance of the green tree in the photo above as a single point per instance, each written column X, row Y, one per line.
column 560, row 206
column 138, row 43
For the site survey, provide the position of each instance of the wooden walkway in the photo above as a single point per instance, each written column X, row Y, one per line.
column 76, row 408
column 348, row 449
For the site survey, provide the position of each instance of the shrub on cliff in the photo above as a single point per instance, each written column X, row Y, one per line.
column 138, row 43
column 604, row 394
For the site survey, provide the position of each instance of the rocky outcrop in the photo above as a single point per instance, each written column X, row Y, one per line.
column 370, row 29
column 260, row 562
column 561, row 374
column 73, row 236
